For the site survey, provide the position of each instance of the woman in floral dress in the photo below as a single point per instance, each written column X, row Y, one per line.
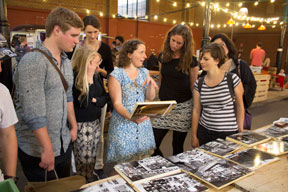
column 130, row 139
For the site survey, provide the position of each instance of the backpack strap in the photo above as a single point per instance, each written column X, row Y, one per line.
column 200, row 83
column 64, row 82
column 230, row 86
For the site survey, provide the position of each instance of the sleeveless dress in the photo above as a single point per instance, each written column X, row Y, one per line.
column 126, row 140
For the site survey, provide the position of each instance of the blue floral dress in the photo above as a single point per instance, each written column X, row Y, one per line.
column 126, row 139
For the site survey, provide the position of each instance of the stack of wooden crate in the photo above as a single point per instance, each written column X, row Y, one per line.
column 273, row 82
column 262, row 81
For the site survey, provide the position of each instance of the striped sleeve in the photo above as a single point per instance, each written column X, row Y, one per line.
column 236, row 80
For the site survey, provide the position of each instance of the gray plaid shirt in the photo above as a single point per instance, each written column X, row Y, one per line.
column 41, row 101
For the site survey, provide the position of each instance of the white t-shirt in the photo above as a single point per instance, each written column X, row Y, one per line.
column 8, row 115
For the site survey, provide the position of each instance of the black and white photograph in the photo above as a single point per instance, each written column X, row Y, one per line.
column 117, row 184
column 273, row 131
column 252, row 158
column 248, row 138
column 181, row 182
column 220, row 147
column 148, row 168
column 213, row 170
column 275, row 147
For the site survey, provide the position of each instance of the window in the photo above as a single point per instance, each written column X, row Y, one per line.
column 129, row 8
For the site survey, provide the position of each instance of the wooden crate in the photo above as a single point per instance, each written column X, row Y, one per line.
column 263, row 81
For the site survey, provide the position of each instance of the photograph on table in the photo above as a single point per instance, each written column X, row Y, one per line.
column 247, row 138
column 215, row 171
column 176, row 182
column 252, row 158
column 146, row 169
column 220, row 147
column 273, row 131
column 111, row 184
column 153, row 109
column 274, row 147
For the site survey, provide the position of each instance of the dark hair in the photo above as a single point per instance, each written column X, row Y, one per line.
column 216, row 51
column 128, row 47
column 232, row 51
column 186, row 50
column 91, row 20
column 259, row 44
column 120, row 38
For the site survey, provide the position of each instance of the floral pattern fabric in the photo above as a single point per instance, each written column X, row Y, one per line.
column 85, row 146
column 127, row 140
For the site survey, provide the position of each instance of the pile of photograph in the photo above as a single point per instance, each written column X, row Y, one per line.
column 214, row 165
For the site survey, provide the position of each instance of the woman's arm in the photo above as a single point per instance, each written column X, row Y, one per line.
column 193, row 77
column 151, row 89
column 115, row 92
column 239, row 106
column 195, row 118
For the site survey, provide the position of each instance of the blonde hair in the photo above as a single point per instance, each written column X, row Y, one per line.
column 80, row 60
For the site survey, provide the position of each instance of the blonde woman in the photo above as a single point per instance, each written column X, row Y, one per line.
column 89, row 97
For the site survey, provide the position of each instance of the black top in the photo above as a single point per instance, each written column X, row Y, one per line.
column 106, row 55
column 88, row 111
column 175, row 85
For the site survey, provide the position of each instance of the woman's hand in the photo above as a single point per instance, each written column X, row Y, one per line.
column 195, row 142
column 140, row 119
column 150, row 82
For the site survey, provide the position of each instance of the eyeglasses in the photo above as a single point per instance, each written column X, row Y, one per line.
column 100, row 61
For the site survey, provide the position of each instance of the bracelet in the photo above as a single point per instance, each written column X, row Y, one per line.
column 15, row 179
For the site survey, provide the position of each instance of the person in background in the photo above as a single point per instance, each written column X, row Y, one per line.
column 8, row 140
column 22, row 48
column 43, row 105
column 239, row 67
column 214, row 115
column 178, row 71
column 92, row 31
column 89, row 97
column 119, row 40
column 257, row 56
column 130, row 139
column 152, row 63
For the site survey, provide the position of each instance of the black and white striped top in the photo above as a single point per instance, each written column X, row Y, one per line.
column 217, row 106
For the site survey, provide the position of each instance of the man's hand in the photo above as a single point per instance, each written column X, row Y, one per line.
column 47, row 159
column 73, row 133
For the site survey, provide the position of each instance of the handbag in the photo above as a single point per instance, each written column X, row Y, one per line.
column 57, row 185
column 247, row 120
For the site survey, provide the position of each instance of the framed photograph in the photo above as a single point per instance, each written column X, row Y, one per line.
column 215, row 171
column 220, row 147
column 110, row 184
column 273, row 131
column 275, row 147
column 247, row 138
column 252, row 158
column 176, row 182
column 153, row 109
column 146, row 169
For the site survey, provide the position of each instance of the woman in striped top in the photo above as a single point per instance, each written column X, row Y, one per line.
column 214, row 115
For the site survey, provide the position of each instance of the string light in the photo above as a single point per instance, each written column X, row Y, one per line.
column 155, row 17
column 182, row 23
column 87, row 11
column 256, row 3
column 174, row 4
column 227, row 4
column 261, row 28
column 146, row 16
column 113, row 16
column 191, row 23
column 197, row 24
column 188, row 5
column 164, row 19
column 157, row 1
column 203, row 4
column 101, row 14
column 240, row 4
column 174, row 21
column 272, row 1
